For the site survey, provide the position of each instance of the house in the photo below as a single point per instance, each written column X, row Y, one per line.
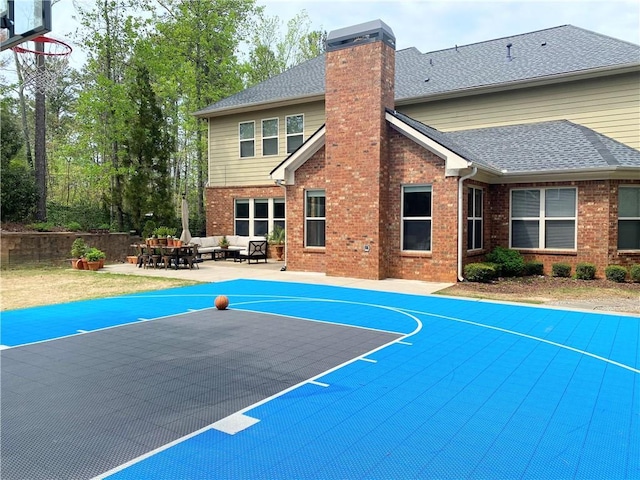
column 410, row 165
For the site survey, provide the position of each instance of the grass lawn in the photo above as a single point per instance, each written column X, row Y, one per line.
column 32, row 287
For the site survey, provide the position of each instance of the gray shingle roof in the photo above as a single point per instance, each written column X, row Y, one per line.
column 539, row 54
column 535, row 147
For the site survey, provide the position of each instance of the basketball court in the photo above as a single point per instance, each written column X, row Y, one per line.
column 310, row 381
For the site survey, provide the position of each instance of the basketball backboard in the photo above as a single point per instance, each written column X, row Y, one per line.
column 22, row 20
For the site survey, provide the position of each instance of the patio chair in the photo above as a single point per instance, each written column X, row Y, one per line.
column 191, row 258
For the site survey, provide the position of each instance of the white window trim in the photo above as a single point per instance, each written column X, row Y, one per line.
column 277, row 136
column 240, row 140
column 625, row 218
column 473, row 218
column 287, row 134
column 252, row 217
column 402, row 218
column 306, row 218
column 542, row 220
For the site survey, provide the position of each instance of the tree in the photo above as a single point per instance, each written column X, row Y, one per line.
column 18, row 193
column 148, row 147
column 272, row 54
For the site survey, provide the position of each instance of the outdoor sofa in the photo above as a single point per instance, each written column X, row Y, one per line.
column 240, row 247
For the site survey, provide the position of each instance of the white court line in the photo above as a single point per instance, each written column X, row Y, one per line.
column 370, row 360
column 320, row 384
column 405, row 343
column 234, row 423
column 82, row 331
column 4, row 347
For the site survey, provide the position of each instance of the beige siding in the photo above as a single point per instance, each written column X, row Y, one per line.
column 609, row 105
column 226, row 168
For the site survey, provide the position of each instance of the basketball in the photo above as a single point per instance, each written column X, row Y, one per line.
column 221, row 302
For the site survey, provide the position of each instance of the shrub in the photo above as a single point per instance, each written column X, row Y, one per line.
column 74, row 226
column 94, row 255
column 534, row 268
column 634, row 272
column 42, row 226
column 479, row 272
column 148, row 229
column 78, row 248
column 585, row 271
column 510, row 261
column 561, row 270
column 616, row 273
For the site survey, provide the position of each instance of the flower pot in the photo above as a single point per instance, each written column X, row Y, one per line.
column 83, row 262
column 101, row 263
column 94, row 266
column 170, row 242
column 132, row 259
column 78, row 264
column 279, row 252
column 177, row 243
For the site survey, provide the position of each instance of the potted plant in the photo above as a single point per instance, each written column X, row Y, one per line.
column 78, row 249
column 93, row 257
column 224, row 243
column 277, row 239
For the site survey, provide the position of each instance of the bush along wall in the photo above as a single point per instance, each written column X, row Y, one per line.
column 585, row 271
column 616, row 273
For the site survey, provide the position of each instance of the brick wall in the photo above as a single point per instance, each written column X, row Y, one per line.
column 359, row 86
column 596, row 227
column 220, row 205
column 410, row 164
column 309, row 176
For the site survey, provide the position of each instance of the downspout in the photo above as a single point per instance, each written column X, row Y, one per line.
column 286, row 223
column 461, row 220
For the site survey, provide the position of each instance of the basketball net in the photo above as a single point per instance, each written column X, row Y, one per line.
column 42, row 76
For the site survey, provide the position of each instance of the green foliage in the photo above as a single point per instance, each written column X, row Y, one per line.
column 510, row 261
column 163, row 231
column 87, row 215
column 42, row 227
column 533, row 268
column 149, row 228
column 94, row 255
column 224, row 241
column 634, row 272
column 561, row 270
column 74, row 227
column 616, row 273
column 277, row 236
column 479, row 272
column 18, row 194
column 585, row 271
column 78, row 248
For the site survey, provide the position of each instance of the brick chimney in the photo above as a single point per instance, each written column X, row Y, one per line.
column 359, row 76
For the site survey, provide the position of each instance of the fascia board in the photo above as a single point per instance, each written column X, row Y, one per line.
column 286, row 170
column 453, row 161
column 250, row 107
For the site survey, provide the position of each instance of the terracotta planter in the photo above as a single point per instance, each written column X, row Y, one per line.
column 94, row 266
column 83, row 262
column 279, row 252
column 132, row 259
column 170, row 242
column 101, row 262
column 74, row 263
column 177, row 243
column 78, row 264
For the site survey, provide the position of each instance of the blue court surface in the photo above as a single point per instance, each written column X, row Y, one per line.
column 471, row 390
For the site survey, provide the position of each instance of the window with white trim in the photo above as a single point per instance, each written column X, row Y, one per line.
column 295, row 131
column 543, row 218
column 474, row 218
column 628, row 218
column 416, row 217
column 258, row 216
column 315, row 220
column 270, row 136
column 278, row 213
column 246, row 132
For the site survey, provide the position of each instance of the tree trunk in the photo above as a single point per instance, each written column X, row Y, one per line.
column 40, row 145
column 23, row 110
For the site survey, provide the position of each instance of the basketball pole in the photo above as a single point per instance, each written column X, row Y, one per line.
column 40, row 147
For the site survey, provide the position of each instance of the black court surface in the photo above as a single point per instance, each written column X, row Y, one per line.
column 75, row 407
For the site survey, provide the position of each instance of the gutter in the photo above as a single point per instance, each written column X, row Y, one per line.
column 461, row 220
column 279, row 183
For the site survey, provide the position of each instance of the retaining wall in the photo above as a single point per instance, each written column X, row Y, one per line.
column 47, row 248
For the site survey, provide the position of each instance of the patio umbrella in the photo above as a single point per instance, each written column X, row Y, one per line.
column 186, row 234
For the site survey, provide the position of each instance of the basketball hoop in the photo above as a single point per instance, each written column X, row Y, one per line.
column 43, row 78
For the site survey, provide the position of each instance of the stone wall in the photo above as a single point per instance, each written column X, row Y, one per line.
column 35, row 248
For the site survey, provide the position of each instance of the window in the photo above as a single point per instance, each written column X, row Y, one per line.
column 247, row 139
column 270, row 136
column 257, row 216
column 242, row 217
column 295, row 129
column 315, row 218
column 629, row 218
column 416, row 218
column 278, row 212
column 260, row 216
column 474, row 218
column 543, row 218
